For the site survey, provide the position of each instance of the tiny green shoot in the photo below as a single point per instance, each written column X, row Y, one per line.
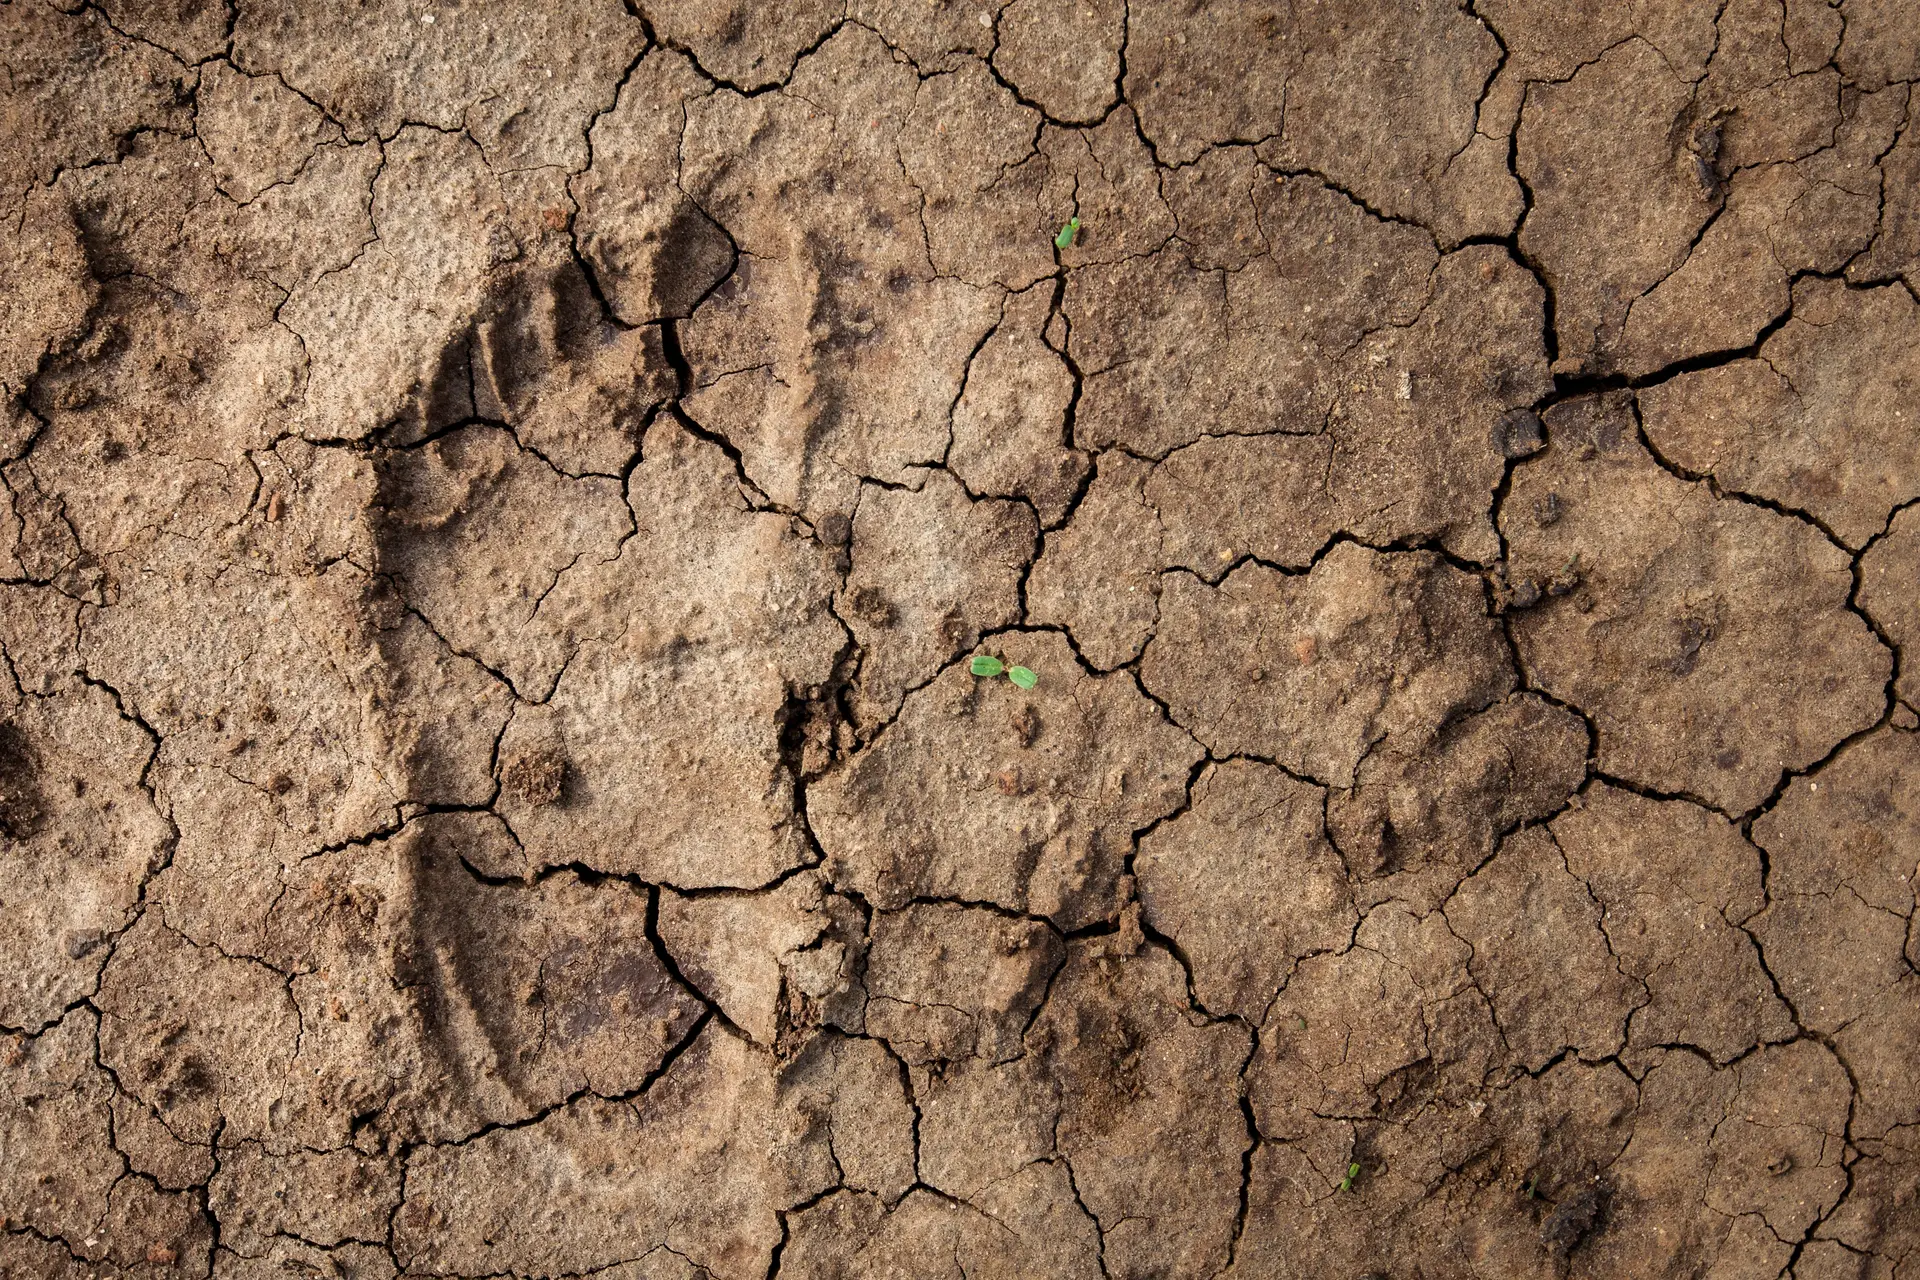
column 1532, row 1187
column 1346, row 1183
column 988, row 666
column 1065, row 239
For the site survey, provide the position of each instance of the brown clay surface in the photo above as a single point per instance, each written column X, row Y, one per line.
column 500, row 498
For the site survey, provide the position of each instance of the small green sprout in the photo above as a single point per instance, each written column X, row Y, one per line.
column 1065, row 239
column 988, row 666
column 1346, row 1183
column 1532, row 1187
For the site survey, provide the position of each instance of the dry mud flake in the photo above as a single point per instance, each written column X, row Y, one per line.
column 1348, row 326
column 1737, row 164
column 400, row 997
column 1204, row 508
column 1246, row 883
column 486, row 311
column 699, row 1165
column 1821, row 421
column 1064, row 58
column 740, row 44
column 1099, row 577
column 79, row 90
column 1009, row 425
column 1029, row 1224
column 1444, row 1190
column 78, row 838
column 66, row 1182
column 1423, row 814
column 838, row 345
column 327, row 1198
column 1381, row 99
column 524, row 84
column 1689, row 1188
column 984, row 792
column 1312, row 670
column 946, row 981
column 270, row 744
column 1709, row 639
column 45, row 311
column 1342, row 1041
column 1839, row 929
column 1115, row 1135
column 1678, row 886
column 778, row 963
column 930, row 572
column 652, row 249
column 1149, row 1121
column 658, row 636
column 1539, row 949
column 1887, row 571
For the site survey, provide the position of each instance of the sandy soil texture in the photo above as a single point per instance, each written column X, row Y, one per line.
column 959, row 639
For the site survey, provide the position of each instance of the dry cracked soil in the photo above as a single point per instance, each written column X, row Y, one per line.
column 502, row 501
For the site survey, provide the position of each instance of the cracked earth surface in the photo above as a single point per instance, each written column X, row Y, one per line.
column 500, row 500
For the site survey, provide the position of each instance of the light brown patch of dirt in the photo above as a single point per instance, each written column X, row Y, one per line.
column 691, row 640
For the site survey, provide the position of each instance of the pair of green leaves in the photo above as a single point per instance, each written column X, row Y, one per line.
column 989, row 666
column 1064, row 240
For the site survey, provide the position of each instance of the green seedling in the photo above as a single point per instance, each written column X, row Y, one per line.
column 988, row 666
column 1346, row 1183
column 1065, row 239
column 1532, row 1187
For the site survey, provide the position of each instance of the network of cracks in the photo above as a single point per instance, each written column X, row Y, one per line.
column 501, row 502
